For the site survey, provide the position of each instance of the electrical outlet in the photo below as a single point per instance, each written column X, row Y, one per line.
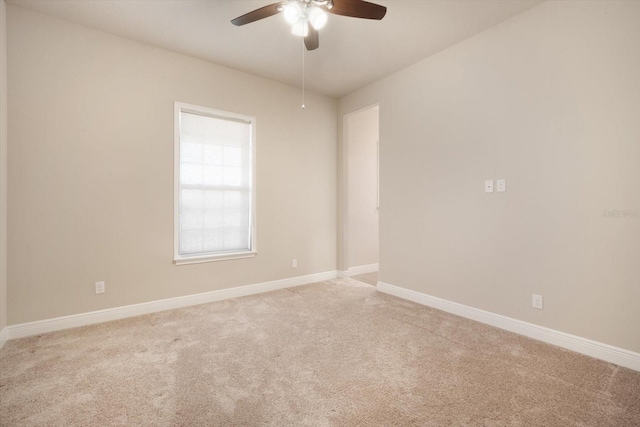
column 294, row 263
column 100, row 287
column 536, row 301
column 501, row 185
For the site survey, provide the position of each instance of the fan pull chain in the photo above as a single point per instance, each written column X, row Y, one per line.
column 303, row 49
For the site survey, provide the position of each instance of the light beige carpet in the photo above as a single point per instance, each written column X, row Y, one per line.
column 368, row 278
column 329, row 354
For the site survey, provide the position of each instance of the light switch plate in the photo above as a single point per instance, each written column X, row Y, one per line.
column 501, row 185
column 488, row 186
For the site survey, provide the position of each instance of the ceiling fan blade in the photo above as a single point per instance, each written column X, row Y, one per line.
column 256, row 15
column 312, row 41
column 358, row 9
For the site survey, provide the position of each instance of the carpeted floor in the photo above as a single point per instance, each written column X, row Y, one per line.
column 330, row 354
column 369, row 278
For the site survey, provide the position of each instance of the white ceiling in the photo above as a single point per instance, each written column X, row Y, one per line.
column 353, row 52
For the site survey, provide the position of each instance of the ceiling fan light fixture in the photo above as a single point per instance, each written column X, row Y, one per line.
column 292, row 12
column 306, row 17
column 300, row 28
column 317, row 17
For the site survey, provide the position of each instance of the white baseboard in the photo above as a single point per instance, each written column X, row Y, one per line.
column 75, row 320
column 361, row 269
column 608, row 353
column 3, row 336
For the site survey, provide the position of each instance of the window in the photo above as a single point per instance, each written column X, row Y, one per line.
column 214, row 185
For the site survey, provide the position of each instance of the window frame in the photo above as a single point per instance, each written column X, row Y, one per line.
column 178, row 259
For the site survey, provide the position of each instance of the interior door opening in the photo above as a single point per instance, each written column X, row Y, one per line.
column 362, row 200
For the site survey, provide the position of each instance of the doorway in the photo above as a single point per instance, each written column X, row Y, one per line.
column 362, row 202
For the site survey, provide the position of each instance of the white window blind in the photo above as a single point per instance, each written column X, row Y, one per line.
column 215, row 190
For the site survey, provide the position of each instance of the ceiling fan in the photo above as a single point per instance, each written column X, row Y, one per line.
column 308, row 16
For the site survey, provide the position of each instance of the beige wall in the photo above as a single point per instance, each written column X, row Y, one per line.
column 549, row 100
column 91, row 171
column 362, row 204
column 3, row 166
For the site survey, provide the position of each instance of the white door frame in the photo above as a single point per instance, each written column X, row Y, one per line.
column 343, row 268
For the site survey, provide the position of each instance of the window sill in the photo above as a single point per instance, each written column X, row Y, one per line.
column 214, row 258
